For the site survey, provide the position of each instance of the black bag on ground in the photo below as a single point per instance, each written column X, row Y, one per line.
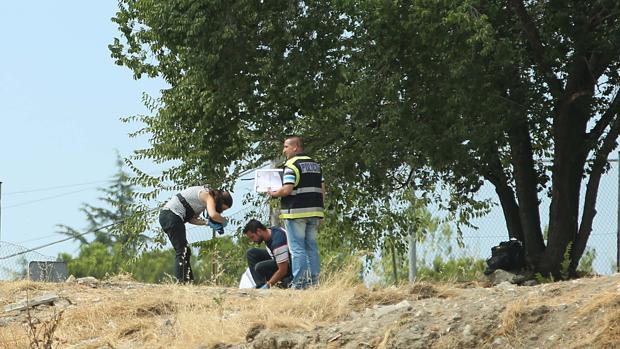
column 508, row 255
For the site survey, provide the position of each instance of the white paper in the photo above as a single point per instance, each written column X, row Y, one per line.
column 247, row 281
column 267, row 179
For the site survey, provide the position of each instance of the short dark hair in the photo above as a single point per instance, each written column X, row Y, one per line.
column 252, row 226
column 296, row 139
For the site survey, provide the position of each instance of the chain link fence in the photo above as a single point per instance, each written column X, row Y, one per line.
column 475, row 243
column 491, row 229
column 15, row 259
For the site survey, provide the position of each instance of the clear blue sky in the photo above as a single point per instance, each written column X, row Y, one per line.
column 61, row 97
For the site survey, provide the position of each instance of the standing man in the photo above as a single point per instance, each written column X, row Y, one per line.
column 301, row 209
column 268, row 269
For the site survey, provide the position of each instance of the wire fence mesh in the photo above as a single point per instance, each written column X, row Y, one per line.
column 476, row 243
column 15, row 259
column 491, row 229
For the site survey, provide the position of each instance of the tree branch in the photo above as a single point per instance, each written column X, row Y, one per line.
column 533, row 38
column 494, row 173
column 404, row 184
column 605, row 120
column 589, row 206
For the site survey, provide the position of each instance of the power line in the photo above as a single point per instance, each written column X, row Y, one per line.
column 48, row 198
column 76, row 236
column 103, row 227
column 56, row 187
column 37, row 239
column 58, row 241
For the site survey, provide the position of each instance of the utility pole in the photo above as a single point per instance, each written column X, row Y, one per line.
column 0, row 211
column 618, row 223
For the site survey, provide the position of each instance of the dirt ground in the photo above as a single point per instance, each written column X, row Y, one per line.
column 87, row 313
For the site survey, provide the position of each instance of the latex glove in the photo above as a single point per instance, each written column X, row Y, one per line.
column 218, row 227
column 210, row 220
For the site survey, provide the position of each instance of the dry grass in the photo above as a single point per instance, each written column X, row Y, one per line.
column 604, row 310
column 171, row 316
column 510, row 318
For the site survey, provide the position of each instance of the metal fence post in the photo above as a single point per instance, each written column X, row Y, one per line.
column 0, row 211
column 618, row 219
column 413, row 268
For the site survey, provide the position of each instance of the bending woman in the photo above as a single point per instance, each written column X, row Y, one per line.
column 185, row 207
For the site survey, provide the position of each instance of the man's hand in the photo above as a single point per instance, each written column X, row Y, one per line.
column 264, row 287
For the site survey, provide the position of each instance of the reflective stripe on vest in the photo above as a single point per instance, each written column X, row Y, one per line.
column 307, row 190
column 290, row 164
column 302, row 212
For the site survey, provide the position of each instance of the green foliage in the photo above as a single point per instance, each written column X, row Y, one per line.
column 154, row 266
column 96, row 259
column 220, row 261
column 441, row 94
column 116, row 245
column 586, row 262
column 453, row 270
column 436, row 244
column 566, row 262
column 102, row 261
column 541, row 279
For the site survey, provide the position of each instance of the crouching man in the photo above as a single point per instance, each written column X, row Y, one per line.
column 272, row 266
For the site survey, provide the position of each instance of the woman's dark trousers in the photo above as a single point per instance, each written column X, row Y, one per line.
column 175, row 229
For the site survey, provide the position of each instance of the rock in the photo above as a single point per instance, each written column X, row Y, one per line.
column 383, row 310
column 88, row 280
column 499, row 276
column 27, row 303
column 5, row 321
column 467, row 331
column 71, row 278
column 253, row 332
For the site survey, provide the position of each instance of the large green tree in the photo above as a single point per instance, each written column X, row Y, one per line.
column 388, row 94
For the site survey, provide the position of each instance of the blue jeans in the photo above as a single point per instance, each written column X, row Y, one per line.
column 302, row 234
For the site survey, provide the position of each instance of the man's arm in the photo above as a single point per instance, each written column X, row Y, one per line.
column 285, row 190
column 279, row 274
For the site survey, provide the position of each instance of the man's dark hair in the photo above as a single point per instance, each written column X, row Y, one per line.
column 296, row 139
column 252, row 226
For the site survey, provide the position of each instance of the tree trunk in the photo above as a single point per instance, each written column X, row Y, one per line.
column 570, row 153
column 495, row 174
column 526, row 189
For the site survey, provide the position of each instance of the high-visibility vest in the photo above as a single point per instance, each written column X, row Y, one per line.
column 306, row 199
